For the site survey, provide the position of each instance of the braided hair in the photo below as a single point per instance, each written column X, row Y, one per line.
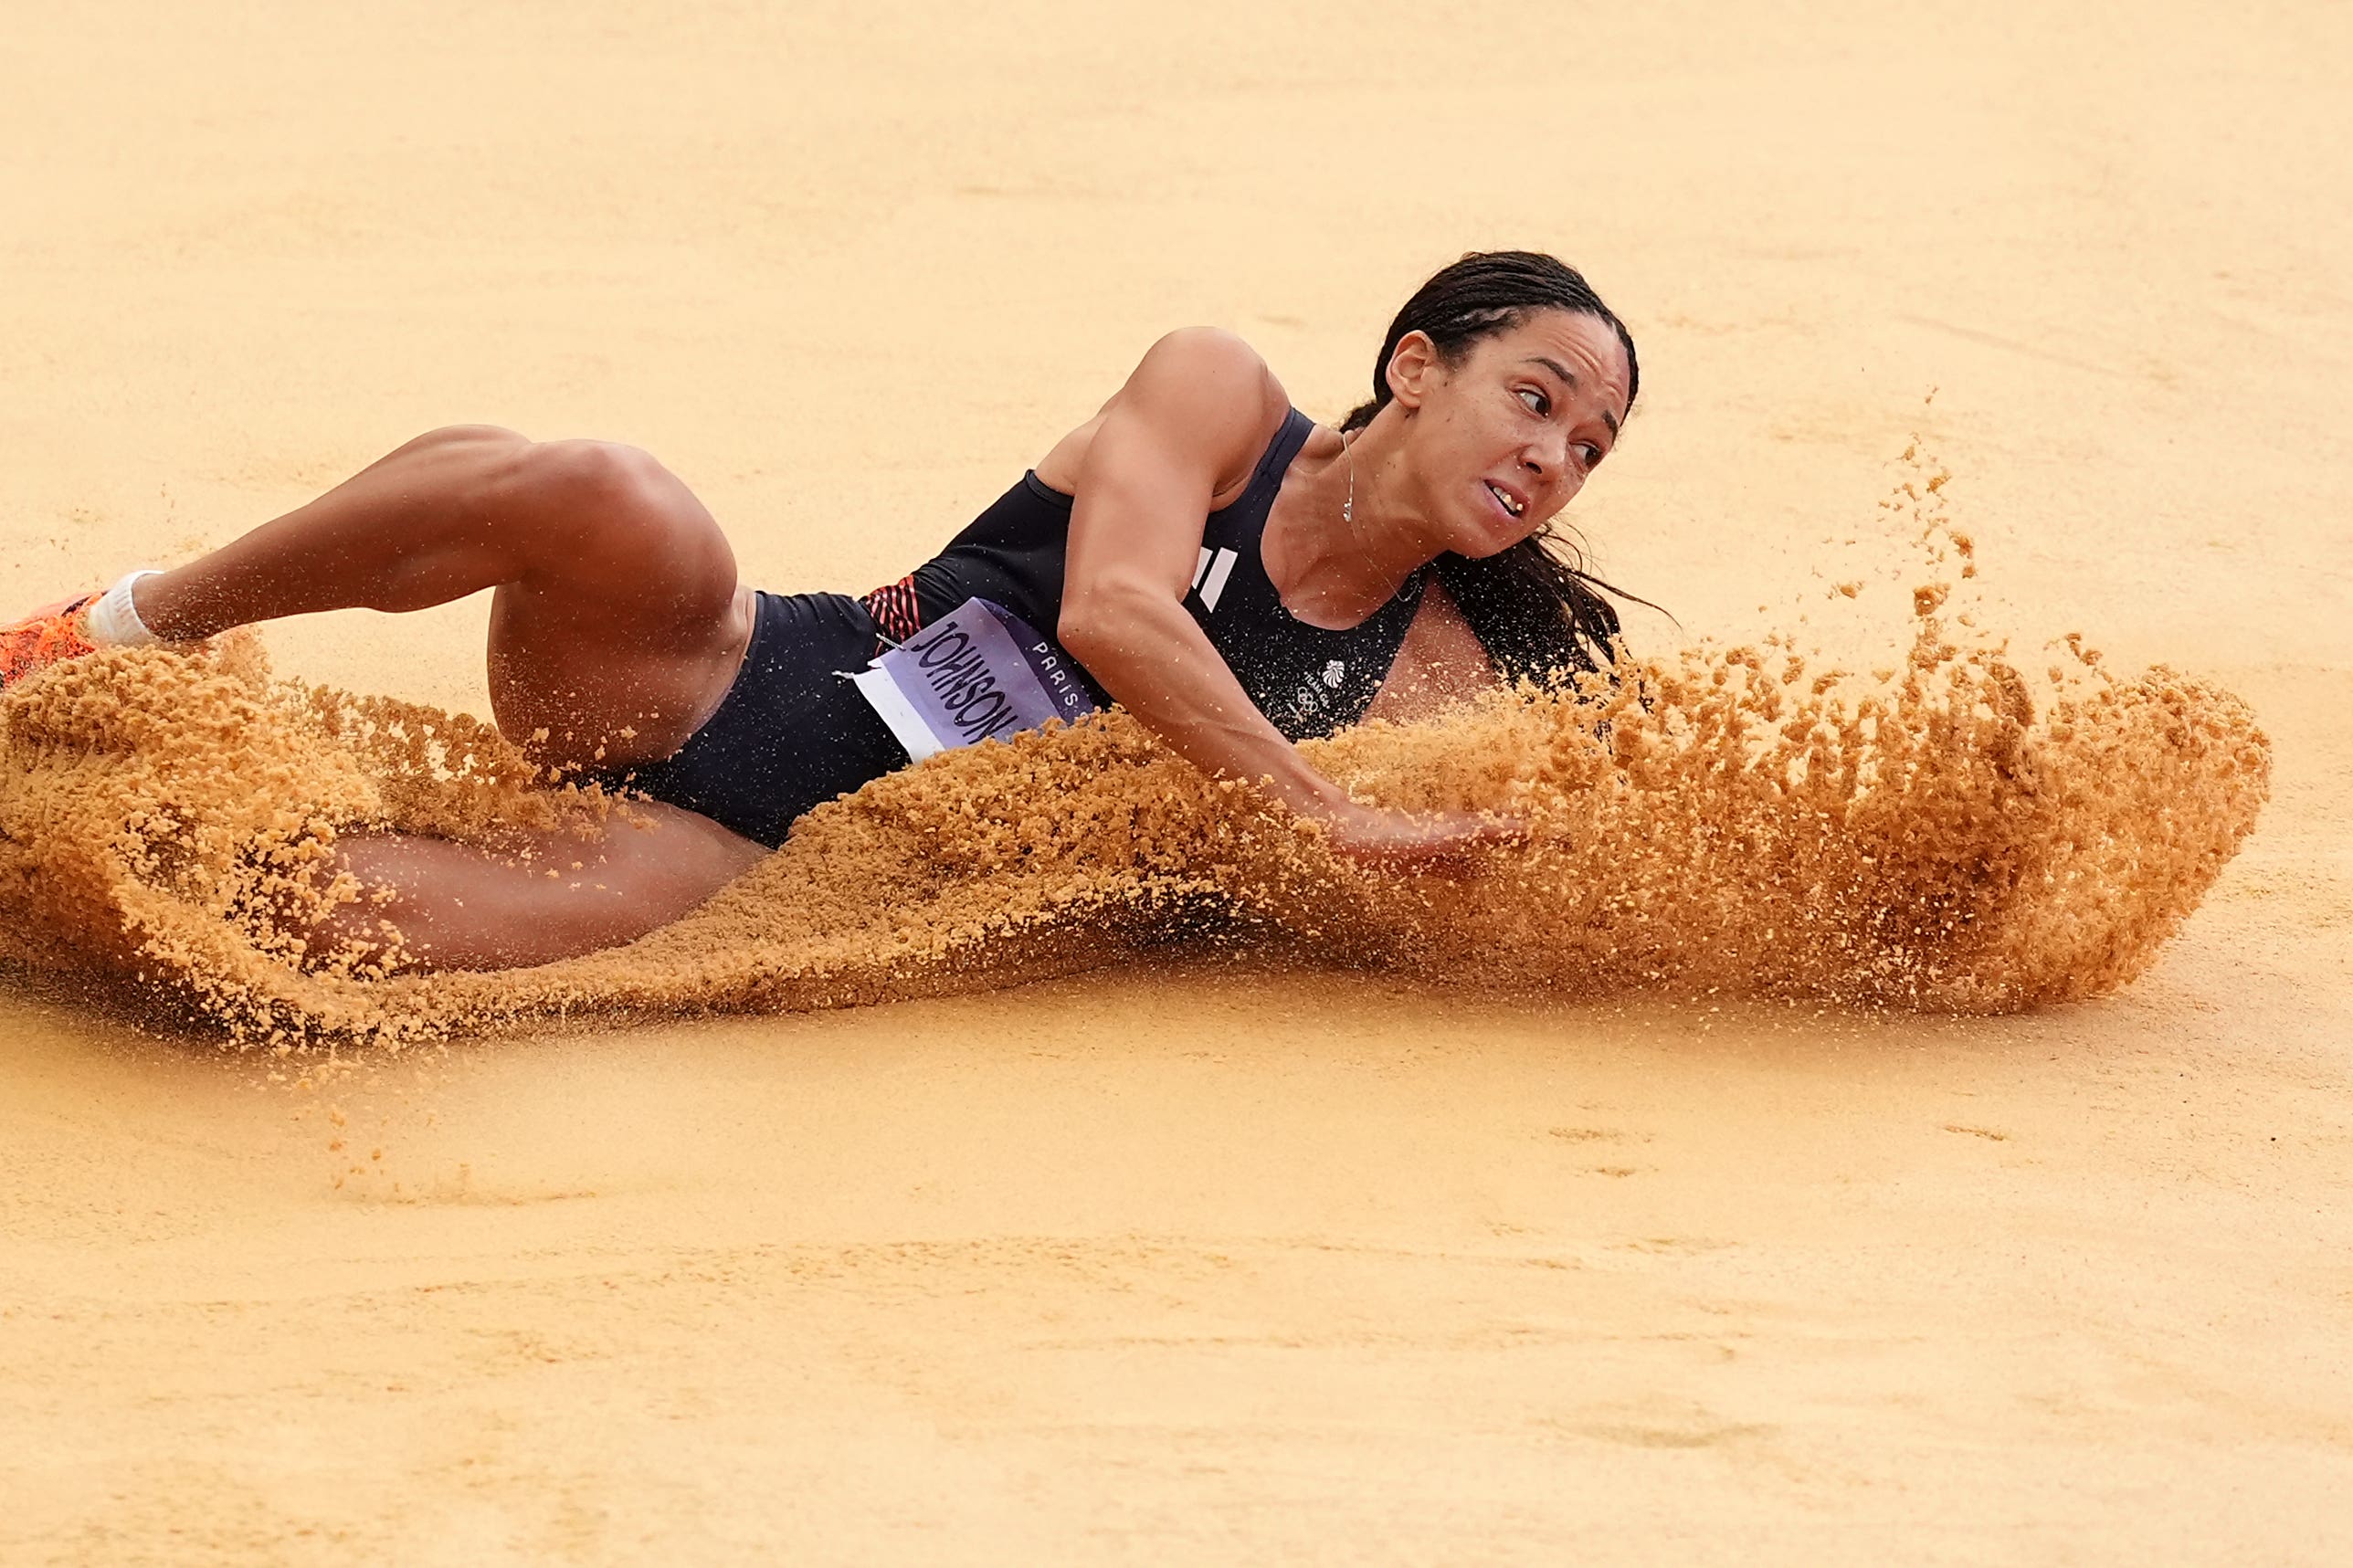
column 1535, row 610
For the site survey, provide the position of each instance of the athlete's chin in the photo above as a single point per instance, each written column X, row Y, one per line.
column 1480, row 543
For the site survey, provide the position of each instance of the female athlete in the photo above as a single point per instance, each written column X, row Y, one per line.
column 1235, row 576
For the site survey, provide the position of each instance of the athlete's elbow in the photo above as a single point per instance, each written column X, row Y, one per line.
column 1101, row 622
column 1083, row 631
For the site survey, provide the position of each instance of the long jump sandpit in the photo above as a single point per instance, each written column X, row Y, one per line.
column 1152, row 1228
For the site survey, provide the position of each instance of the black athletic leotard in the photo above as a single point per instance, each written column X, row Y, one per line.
column 792, row 730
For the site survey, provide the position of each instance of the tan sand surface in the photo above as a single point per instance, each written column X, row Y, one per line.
column 1218, row 1257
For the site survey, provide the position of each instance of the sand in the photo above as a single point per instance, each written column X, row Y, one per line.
column 1221, row 1250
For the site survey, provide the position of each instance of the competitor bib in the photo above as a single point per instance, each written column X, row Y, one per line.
column 978, row 672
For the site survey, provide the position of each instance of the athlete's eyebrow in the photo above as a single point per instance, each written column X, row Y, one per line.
column 1568, row 379
column 1566, row 375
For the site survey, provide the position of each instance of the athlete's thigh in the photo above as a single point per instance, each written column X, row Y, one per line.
column 626, row 629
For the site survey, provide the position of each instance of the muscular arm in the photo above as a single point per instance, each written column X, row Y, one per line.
column 1194, row 416
column 1190, row 425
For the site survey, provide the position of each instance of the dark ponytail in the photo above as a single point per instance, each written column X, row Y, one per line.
column 1534, row 609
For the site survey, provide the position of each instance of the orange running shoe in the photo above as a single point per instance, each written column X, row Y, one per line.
column 44, row 637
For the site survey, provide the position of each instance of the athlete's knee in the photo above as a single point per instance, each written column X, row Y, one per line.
column 612, row 510
column 475, row 434
column 469, row 441
column 588, row 478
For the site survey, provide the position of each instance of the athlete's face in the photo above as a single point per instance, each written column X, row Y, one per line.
column 1506, row 437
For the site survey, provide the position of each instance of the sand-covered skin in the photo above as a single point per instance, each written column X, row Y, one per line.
column 1238, row 1242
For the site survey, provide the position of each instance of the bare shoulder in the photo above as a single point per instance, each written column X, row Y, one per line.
column 1203, row 391
column 1199, row 361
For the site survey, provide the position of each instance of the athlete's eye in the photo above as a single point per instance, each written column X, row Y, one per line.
column 1592, row 453
column 1537, row 401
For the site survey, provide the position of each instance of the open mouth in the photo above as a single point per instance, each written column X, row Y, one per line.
column 1503, row 497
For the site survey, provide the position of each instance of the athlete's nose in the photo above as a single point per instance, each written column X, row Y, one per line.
column 1547, row 454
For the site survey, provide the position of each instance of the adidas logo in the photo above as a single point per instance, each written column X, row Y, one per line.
column 1211, row 572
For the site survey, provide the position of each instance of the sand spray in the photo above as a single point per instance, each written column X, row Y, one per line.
column 1953, row 828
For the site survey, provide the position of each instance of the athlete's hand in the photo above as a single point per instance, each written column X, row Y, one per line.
column 1444, row 842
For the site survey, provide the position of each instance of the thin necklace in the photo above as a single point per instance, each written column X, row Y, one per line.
column 1347, row 515
column 1348, row 507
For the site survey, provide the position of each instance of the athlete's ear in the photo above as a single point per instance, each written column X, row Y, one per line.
column 1411, row 365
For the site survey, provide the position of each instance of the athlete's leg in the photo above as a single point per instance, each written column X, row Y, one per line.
column 619, row 622
column 543, row 897
column 618, row 626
